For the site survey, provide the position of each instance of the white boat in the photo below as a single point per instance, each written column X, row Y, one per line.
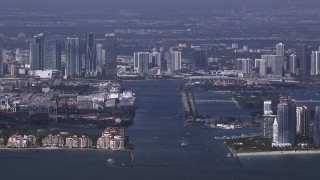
column 127, row 98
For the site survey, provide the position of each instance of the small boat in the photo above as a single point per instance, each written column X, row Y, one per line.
column 184, row 144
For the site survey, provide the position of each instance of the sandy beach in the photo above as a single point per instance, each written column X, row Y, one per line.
column 273, row 153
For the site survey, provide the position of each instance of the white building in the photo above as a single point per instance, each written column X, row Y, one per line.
column 244, row 65
column 275, row 138
column 315, row 63
column 19, row 141
column 275, row 63
column 174, row 61
column 112, row 139
column 293, row 63
column 261, row 65
column 78, row 142
column 155, row 59
column 280, row 50
column 45, row 74
column 267, row 108
column 141, row 62
column 53, row 141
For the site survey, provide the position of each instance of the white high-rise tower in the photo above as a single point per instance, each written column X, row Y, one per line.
column 275, row 138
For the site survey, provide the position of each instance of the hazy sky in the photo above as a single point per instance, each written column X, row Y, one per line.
column 152, row 5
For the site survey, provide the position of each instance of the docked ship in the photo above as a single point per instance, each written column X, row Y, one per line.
column 127, row 98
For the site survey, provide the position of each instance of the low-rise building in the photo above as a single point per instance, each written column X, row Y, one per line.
column 112, row 138
column 78, row 142
column 53, row 141
column 19, row 141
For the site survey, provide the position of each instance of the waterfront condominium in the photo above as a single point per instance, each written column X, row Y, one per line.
column 286, row 111
column 73, row 49
column 141, row 62
column 174, row 61
column 302, row 124
column 316, row 126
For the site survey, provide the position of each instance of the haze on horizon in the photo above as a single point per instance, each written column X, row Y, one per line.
column 75, row 6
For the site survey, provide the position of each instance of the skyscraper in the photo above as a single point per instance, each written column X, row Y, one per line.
column 200, row 59
column 275, row 133
column 274, row 64
column 90, row 56
column 316, row 125
column 302, row 60
column 100, row 59
column 174, row 61
column 244, row 65
column 73, row 57
column 37, row 52
column 267, row 125
column 303, row 123
column 267, row 107
column 286, row 111
column 52, row 55
column 315, row 63
column 141, row 62
column 1, row 61
column 155, row 59
column 110, row 47
column 280, row 50
column 261, row 66
column 293, row 63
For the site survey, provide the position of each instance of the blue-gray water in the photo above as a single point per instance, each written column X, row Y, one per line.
column 157, row 134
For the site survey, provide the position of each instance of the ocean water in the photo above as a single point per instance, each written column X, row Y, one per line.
column 157, row 134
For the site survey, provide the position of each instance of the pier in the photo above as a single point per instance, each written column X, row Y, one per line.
column 189, row 103
column 215, row 101
column 234, row 101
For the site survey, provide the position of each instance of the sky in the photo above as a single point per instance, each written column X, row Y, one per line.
column 151, row 5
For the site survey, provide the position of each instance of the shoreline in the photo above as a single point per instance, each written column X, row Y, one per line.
column 59, row 148
column 278, row 153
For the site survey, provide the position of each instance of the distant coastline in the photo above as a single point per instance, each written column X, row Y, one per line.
column 275, row 153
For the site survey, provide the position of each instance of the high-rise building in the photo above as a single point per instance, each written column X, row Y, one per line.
column 267, row 107
column 303, row 123
column 52, row 55
column 37, row 52
column 200, row 59
column 261, row 66
column 1, row 61
column 73, row 57
column 280, row 50
column 174, row 61
column 141, row 62
column 293, row 63
column 315, row 63
column 110, row 47
column 100, row 59
column 274, row 64
column 155, row 59
column 267, row 125
column 275, row 133
column 302, row 60
column 316, row 125
column 90, row 56
column 244, row 65
column 286, row 111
